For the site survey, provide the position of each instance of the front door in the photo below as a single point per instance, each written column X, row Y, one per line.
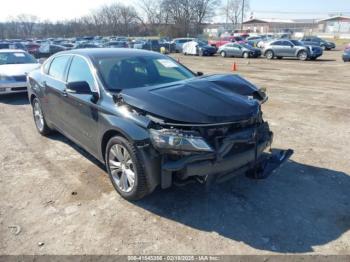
column 81, row 114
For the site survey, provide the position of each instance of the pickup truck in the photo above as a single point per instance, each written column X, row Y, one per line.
column 225, row 40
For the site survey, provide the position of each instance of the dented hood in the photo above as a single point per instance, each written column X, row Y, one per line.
column 202, row 100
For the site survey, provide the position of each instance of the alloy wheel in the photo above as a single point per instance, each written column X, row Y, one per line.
column 121, row 168
column 38, row 116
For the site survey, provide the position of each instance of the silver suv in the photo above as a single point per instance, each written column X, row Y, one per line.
column 291, row 48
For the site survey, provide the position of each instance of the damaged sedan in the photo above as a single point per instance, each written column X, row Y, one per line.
column 152, row 121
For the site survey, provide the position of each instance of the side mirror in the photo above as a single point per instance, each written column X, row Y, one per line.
column 200, row 73
column 82, row 88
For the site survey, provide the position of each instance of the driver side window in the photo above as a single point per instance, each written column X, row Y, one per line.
column 80, row 71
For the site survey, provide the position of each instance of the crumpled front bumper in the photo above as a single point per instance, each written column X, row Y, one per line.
column 220, row 165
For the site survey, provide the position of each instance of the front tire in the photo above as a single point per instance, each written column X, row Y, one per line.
column 223, row 54
column 39, row 118
column 245, row 55
column 125, row 169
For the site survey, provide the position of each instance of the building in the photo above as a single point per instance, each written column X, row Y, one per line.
column 263, row 26
column 335, row 24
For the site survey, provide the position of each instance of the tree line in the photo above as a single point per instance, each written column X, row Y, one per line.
column 152, row 17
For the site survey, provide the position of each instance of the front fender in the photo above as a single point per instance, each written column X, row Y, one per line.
column 131, row 130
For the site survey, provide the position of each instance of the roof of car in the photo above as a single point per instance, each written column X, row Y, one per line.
column 11, row 51
column 97, row 53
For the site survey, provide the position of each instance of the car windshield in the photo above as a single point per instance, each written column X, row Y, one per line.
column 131, row 72
column 200, row 43
column 246, row 46
column 297, row 43
column 16, row 58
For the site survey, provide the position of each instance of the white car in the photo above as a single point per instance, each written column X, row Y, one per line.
column 14, row 67
column 198, row 48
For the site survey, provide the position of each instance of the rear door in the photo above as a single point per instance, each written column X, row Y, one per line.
column 54, row 86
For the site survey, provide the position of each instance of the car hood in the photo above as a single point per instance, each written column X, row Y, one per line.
column 201, row 100
column 17, row 69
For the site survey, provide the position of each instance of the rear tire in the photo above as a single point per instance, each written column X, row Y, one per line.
column 39, row 118
column 245, row 55
column 125, row 169
column 269, row 54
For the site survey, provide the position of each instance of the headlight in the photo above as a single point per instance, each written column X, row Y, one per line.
column 5, row 78
column 173, row 139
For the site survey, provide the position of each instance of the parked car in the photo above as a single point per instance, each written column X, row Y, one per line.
column 179, row 42
column 14, row 66
column 86, row 45
column 12, row 45
column 47, row 50
column 254, row 40
column 68, row 46
column 32, row 48
column 135, row 111
column 291, row 48
column 198, row 48
column 239, row 50
column 227, row 39
column 348, row 46
column 169, row 46
column 148, row 44
column 313, row 40
column 346, row 55
column 116, row 44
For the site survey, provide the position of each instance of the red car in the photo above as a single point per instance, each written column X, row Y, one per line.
column 227, row 39
column 32, row 48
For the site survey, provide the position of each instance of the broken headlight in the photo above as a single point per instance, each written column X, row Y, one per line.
column 176, row 140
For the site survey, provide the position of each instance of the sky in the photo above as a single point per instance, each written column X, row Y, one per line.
column 67, row 9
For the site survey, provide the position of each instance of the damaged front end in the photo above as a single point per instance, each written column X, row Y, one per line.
column 208, row 153
column 204, row 147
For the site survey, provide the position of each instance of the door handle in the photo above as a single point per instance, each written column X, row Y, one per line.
column 44, row 84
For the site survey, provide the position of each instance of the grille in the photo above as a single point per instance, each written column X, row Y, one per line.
column 21, row 78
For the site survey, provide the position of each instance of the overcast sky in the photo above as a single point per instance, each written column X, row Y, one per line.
column 66, row 9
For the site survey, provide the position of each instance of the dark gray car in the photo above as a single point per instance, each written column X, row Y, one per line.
column 291, row 48
column 239, row 50
column 313, row 40
column 152, row 121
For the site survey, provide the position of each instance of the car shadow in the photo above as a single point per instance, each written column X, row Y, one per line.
column 310, row 61
column 15, row 99
column 61, row 138
column 298, row 207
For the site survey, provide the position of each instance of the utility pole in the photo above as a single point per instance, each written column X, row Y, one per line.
column 242, row 15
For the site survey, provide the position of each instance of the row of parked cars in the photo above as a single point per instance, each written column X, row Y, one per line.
column 274, row 49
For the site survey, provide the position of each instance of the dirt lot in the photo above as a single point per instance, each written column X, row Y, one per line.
column 302, row 208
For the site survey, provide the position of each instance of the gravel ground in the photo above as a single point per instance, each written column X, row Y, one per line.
column 56, row 199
